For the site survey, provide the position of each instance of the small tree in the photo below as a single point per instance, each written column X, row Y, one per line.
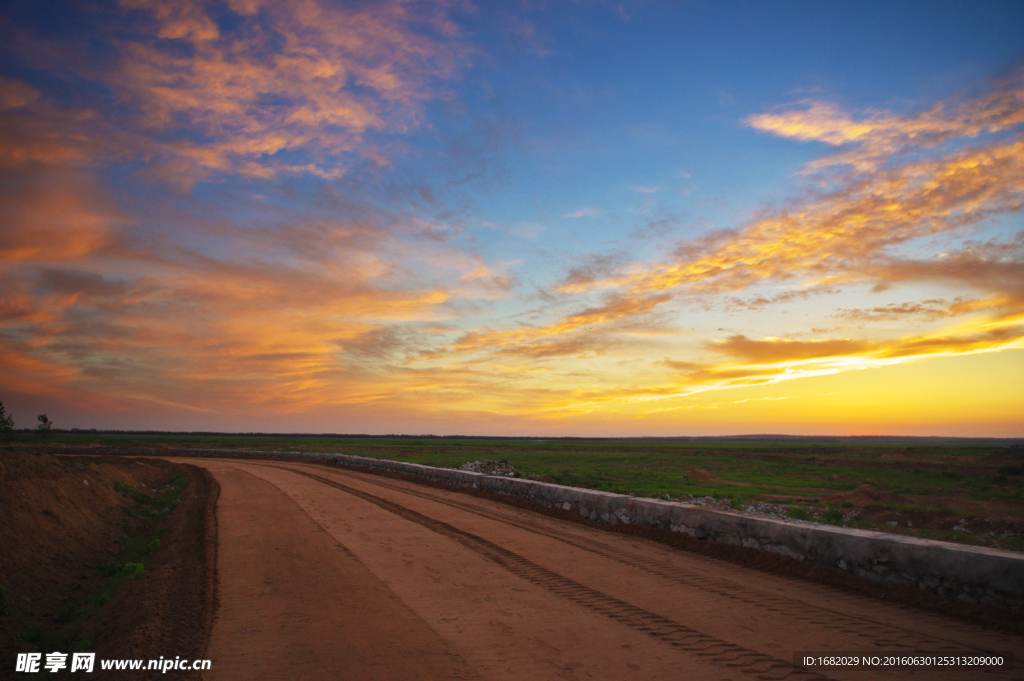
column 6, row 425
column 44, row 426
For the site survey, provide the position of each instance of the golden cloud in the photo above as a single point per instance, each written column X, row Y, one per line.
column 834, row 237
column 571, row 335
column 878, row 136
column 775, row 360
column 848, row 234
column 897, row 180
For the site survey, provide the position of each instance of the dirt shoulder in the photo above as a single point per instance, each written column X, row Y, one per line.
column 71, row 527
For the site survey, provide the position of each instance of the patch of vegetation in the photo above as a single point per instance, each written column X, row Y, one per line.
column 832, row 516
column 142, row 540
column 141, row 498
column 798, row 513
column 135, row 570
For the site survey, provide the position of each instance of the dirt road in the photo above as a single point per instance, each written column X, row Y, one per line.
column 332, row 574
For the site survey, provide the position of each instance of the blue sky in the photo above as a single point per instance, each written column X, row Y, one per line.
column 513, row 218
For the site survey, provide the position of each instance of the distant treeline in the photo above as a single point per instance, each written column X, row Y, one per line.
column 767, row 437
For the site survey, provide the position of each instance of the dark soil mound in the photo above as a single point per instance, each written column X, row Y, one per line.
column 64, row 522
column 701, row 474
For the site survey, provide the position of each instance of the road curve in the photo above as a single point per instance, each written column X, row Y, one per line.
column 334, row 574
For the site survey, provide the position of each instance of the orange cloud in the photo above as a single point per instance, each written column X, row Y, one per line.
column 310, row 88
column 778, row 350
column 310, row 77
column 217, row 314
column 832, row 238
column 993, row 267
column 273, row 320
column 837, row 239
column 32, row 132
column 54, row 216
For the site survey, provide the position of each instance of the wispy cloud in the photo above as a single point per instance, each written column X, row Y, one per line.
column 877, row 136
column 831, row 237
column 932, row 309
column 891, row 184
column 293, row 88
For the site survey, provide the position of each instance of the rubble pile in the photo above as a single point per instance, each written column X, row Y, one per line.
column 489, row 468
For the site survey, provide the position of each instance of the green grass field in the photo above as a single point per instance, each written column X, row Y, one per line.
column 744, row 470
column 919, row 487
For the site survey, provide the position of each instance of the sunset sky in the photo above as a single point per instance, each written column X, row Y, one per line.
column 514, row 218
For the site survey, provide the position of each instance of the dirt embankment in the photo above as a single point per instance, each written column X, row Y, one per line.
column 71, row 524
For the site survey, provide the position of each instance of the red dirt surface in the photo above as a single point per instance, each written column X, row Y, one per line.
column 295, row 604
column 327, row 573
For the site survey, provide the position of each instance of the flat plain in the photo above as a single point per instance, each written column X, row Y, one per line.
column 324, row 572
column 968, row 491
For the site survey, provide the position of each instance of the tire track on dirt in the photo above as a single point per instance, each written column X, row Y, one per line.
column 879, row 634
column 661, row 628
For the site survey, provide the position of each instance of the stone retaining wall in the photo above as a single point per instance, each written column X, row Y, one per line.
column 970, row 573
